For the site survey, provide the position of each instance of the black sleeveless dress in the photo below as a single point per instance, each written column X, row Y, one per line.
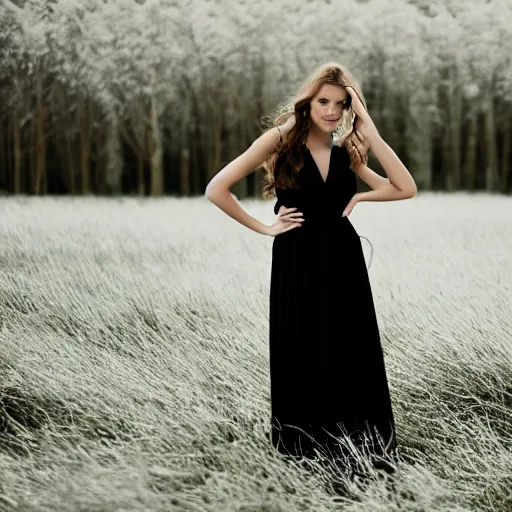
column 327, row 372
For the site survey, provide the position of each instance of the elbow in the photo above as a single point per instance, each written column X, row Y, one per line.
column 405, row 193
column 212, row 192
column 212, row 188
column 208, row 193
column 411, row 192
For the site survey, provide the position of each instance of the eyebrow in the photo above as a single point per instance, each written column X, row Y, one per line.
column 323, row 98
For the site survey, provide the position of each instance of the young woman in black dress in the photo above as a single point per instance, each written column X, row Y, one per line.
column 327, row 371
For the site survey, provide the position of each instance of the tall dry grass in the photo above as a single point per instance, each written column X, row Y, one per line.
column 134, row 359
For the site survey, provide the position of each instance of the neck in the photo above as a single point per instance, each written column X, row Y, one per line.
column 317, row 138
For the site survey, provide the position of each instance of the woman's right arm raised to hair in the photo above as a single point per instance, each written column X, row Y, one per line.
column 218, row 192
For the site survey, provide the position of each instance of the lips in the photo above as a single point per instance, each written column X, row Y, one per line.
column 332, row 120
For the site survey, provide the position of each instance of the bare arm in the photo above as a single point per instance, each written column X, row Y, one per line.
column 399, row 184
column 218, row 192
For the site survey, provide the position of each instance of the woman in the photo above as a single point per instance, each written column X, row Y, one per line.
column 327, row 371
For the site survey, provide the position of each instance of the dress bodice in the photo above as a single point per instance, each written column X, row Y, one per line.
column 317, row 198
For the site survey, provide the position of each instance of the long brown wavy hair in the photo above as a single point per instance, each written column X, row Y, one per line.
column 284, row 163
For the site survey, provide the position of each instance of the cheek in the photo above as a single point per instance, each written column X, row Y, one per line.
column 317, row 110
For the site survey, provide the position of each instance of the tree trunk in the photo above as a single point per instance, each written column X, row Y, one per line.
column 471, row 150
column 67, row 130
column 445, row 98
column 71, row 166
column 505, row 159
column 184, row 171
column 254, row 180
column 198, row 148
column 184, row 183
column 9, row 152
column 491, row 171
column 156, row 162
column 447, row 161
column 214, row 138
column 240, row 189
column 113, row 159
column 419, row 139
column 32, row 156
column 85, row 123
column 40, row 140
column 387, row 116
column 16, row 132
column 455, row 126
column 3, row 169
column 137, row 140
column 141, row 189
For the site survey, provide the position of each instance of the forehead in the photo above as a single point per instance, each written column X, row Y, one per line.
column 332, row 92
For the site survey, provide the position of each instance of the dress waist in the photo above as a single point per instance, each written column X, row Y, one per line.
column 316, row 213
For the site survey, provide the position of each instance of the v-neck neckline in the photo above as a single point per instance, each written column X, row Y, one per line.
column 318, row 168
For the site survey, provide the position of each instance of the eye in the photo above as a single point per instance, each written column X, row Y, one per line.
column 343, row 103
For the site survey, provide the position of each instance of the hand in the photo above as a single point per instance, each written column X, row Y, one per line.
column 287, row 219
column 364, row 127
column 348, row 209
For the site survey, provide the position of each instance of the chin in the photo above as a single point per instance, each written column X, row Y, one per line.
column 324, row 128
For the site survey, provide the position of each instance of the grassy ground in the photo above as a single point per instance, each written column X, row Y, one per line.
column 134, row 368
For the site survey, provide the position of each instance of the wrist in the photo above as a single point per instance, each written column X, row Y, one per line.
column 373, row 136
column 267, row 230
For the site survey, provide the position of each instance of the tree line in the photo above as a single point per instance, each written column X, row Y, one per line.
column 154, row 97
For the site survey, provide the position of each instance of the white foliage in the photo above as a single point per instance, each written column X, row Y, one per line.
column 143, row 49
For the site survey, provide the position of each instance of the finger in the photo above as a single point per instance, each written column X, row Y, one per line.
column 293, row 226
column 285, row 211
column 357, row 145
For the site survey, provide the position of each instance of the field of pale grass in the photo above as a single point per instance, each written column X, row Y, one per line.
column 134, row 370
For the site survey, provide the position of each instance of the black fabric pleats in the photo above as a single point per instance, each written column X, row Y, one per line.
column 327, row 371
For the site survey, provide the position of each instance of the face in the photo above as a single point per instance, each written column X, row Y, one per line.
column 327, row 106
